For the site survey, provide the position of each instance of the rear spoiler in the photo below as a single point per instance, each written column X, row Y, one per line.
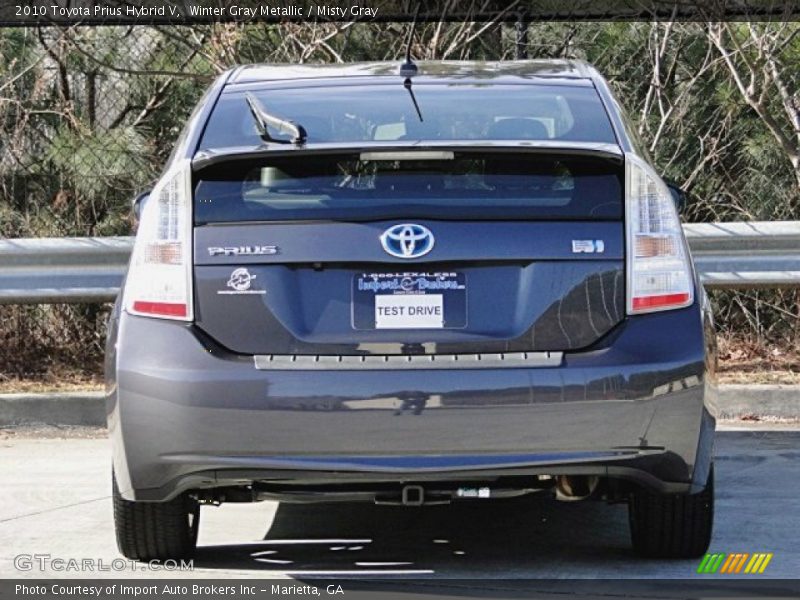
column 207, row 158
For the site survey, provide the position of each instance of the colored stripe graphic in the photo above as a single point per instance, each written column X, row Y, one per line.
column 749, row 568
column 732, row 558
column 717, row 563
column 711, row 563
column 701, row 568
column 767, row 558
column 734, row 563
column 741, row 562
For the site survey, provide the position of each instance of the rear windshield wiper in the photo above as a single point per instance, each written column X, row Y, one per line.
column 264, row 120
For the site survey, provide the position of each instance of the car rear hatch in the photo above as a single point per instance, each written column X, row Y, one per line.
column 409, row 250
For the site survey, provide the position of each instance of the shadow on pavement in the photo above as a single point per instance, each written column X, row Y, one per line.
column 534, row 537
column 478, row 538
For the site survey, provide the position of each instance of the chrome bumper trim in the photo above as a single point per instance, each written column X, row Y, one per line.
column 389, row 362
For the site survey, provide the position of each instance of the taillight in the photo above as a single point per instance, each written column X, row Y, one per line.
column 659, row 272
column 159, row 282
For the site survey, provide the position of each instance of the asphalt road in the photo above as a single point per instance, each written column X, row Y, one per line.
column 54, row 500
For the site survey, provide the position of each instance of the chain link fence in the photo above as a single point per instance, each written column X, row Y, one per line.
column 89, row 114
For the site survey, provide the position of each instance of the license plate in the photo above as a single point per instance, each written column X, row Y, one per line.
column 410, row 300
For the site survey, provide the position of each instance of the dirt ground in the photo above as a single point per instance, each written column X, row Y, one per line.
column 743, row 362
column 73, row 382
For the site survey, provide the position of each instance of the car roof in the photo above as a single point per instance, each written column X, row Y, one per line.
column 563, row 69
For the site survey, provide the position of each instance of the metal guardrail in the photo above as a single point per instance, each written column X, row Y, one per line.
column 746, row 255
column 54, row 270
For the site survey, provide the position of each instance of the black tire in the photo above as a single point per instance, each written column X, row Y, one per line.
column 672, row 525
column 156, row 530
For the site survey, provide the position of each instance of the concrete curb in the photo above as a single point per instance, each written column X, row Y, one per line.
column 766, row 400
column 55, row 408
column 88, row 408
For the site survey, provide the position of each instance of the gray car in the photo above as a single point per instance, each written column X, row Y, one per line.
column 458, row 283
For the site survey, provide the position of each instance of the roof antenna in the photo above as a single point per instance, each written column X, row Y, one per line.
column 408, row 69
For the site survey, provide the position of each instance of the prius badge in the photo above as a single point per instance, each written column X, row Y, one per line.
column 242, row 250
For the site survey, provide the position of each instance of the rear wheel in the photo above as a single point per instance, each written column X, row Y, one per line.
column 156, row 530
column 672, row 525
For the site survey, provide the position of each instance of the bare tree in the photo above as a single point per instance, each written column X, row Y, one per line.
column 755, row 54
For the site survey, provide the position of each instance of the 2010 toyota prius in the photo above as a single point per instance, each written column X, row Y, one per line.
column 465, row 285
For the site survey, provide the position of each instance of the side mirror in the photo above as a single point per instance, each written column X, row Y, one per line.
column 138, row 204
column 679, row 195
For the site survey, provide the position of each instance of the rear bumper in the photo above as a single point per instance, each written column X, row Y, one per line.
column 185, row 414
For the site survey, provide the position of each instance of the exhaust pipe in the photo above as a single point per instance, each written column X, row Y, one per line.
column 571, row 488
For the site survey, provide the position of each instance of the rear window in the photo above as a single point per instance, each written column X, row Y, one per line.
column 386, row 112
column 377, row 185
